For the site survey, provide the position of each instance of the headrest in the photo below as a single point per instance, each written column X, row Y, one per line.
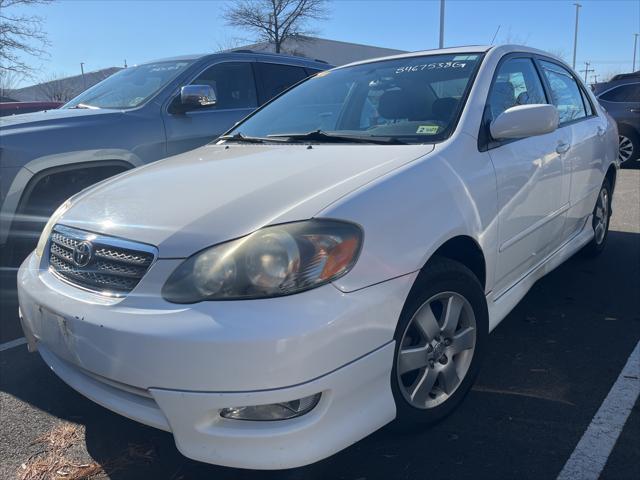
column 396, row 104
column 444, row 108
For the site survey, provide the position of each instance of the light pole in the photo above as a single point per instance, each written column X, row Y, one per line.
column 84, row 80
column 575, row 35
column 441, row 44
column 635, row 44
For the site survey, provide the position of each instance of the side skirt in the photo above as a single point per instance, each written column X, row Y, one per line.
column 503, row 302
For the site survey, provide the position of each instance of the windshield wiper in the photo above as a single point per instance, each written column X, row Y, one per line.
column 239, row 137
column 84, row 105
column 320, row 136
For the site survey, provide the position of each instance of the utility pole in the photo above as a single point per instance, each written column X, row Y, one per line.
column 594, row 77
column 84, row 80
column 125, row 63
column 575, row 35
column 587, row 70
column 635, row 44
column 441, row 44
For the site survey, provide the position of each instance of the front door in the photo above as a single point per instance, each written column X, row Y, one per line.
column 235, row 88
column 532, row 178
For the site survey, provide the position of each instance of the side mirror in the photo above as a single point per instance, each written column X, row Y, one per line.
column 197, row 96
column 525, row 121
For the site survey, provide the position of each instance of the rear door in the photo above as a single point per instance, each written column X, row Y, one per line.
column 235, row 88
column 532, row 177
column 582, row 131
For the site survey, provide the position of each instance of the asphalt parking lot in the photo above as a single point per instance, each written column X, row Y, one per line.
column 550, row 366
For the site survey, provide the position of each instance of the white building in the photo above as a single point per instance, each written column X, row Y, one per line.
column 331, row 51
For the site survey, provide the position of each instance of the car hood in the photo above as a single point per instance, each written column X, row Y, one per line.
column 38, row 120
column 220, row 192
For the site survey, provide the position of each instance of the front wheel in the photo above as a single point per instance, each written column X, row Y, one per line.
column 600, row 222
column 440, row 341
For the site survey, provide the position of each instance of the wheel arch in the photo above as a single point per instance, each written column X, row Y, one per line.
column 34, row 172
column 465, row 250
column 611, row 176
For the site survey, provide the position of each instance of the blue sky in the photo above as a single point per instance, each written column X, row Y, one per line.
column 104, row 33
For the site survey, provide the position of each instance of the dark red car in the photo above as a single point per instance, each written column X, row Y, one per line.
column 13, row 108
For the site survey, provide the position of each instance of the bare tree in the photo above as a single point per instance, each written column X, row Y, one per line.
column 275, row 21
column 558, row 52
column 9, row 81
column 227, row 44
column 21, row 35
column 510, row 38
column 56, row 88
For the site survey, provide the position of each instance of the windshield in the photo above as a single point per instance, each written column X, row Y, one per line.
column 413, row 100
column 129, row 87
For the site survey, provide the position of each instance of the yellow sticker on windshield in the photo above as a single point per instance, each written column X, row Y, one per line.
column 428, row 129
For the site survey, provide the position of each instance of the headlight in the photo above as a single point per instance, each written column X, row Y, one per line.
column 53, row 219
column 271, row 262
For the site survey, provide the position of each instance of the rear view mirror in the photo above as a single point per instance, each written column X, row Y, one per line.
column 197, row 95
column 525, row 121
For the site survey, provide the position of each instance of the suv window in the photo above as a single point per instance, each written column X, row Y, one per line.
column 517, row 83
column 275, row 78
column 623, row 93
column 565, row 92
column 233, row 83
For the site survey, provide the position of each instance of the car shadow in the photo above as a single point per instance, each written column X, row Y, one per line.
column 534, row 396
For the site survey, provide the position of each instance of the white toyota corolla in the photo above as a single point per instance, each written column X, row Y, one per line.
column 334, row 263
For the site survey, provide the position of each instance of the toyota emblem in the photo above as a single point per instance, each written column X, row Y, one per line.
column 82, row 253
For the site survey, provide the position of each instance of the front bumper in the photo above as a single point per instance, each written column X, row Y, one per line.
column 175, row 367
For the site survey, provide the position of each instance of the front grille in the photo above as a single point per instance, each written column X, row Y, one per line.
column 107, row 265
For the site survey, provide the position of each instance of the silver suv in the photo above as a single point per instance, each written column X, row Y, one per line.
column 136, row 116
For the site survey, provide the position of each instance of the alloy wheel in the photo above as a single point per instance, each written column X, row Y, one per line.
column 436, row 350
column 601, row 216
column 625, row 148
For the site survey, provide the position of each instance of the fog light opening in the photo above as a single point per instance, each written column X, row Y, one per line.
column 272, row 411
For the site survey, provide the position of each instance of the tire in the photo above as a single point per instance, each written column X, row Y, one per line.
column 628, row 146
column 600, row 221
column 445, row 286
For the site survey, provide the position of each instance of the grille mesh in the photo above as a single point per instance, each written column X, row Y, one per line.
column 114, row 269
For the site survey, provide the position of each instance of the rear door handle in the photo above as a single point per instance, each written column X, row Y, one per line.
column 634, row 110
column 563, row 147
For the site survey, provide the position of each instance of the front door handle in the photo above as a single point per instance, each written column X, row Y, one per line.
column 634, row 110
column 601, row 131
column 563, row 147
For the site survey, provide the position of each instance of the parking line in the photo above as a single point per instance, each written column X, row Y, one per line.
column 13, row 343
column 591, row 454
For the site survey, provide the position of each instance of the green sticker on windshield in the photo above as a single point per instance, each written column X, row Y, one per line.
column 428, row 129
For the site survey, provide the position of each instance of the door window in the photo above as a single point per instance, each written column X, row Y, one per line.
column 623, row 93
column 275, row 78
column 565, row 92
column 233, row 84
column 517, row 83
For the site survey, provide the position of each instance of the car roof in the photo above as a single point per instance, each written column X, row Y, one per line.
column 276, row 57
column 498, row 49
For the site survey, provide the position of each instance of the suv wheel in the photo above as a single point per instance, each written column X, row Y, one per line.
column 628, row 146
column 440, row 341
